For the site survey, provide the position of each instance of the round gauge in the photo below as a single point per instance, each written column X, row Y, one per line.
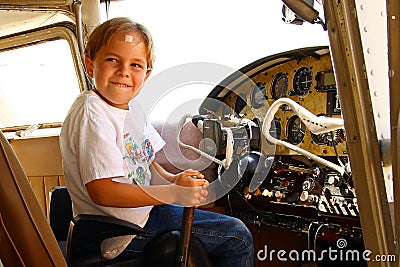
column 302, row 81
column 240, row 103
column 257, row 97
column 295, row 130
column 279, row 87
column 275, row 130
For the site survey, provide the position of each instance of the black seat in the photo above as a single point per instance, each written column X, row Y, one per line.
column 85, row 232
column 60, row 215
column 80, row 238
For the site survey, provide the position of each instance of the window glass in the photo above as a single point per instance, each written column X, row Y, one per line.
column 229, row 33
column 38, row 84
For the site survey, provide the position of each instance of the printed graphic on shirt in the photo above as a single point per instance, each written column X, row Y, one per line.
column 138, row 155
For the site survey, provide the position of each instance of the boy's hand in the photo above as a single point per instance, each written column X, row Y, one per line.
column 192, row 188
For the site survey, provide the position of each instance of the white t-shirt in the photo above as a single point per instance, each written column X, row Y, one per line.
column 100, row 141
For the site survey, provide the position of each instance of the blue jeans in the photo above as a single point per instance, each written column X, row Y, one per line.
column 227, row 240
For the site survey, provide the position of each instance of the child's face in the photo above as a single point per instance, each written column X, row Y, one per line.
column 119, row 69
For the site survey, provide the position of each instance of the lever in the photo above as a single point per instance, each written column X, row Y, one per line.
column 187, row 223
column 186, row 231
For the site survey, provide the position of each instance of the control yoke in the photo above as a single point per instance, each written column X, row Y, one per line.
column 316, row 124
column 207, row 156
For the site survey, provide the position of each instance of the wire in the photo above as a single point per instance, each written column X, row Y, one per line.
column 315, row 240
column 229, row 204
column 107, row 4
column 309, row 237
column 336, row 152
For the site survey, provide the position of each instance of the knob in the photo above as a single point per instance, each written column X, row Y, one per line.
column 304, row 196
column 267, row 193
column 278, row 194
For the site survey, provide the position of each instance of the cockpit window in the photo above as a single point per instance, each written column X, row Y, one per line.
column 38, row 84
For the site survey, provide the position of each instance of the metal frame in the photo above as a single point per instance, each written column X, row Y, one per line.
column 393, row 21
column 362, row 141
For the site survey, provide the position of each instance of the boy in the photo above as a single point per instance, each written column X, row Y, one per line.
column 108, row 151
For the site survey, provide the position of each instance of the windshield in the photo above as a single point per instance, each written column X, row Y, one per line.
column 226, row 35
column 229, row 34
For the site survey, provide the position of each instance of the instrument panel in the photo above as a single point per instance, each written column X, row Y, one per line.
column 295, row 184
column 298, row 180
column 297, row 79
column 309, row 81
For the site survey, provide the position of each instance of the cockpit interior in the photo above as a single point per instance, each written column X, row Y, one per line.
column 270, row 136
column 300, row 184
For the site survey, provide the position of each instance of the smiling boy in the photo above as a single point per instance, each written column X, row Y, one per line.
column 108, row 149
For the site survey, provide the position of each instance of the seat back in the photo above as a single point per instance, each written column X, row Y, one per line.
column 41, row 159
column 26, row 238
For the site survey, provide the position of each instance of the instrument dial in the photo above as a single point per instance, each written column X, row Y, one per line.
column 302, row 81
column 279, row 87
column 295, row 130
column 257, row 97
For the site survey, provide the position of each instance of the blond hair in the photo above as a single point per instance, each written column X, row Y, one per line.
column 103, row 33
